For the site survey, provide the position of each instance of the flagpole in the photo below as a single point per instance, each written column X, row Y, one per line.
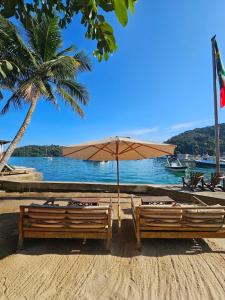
column 118, row 180
column 217, row 141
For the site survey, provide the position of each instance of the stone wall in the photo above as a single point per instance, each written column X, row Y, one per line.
column 28, row 177
column 172, row 191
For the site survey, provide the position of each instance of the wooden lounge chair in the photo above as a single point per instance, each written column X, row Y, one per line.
column 192, row 183
column 87, row 222
column 214, row 182
column 152, row 221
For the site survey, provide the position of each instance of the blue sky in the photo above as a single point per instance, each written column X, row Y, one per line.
column 158, row 84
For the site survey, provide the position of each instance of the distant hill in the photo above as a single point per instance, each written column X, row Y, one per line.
column 196, row 141
column 199, row 140
column 41, row 151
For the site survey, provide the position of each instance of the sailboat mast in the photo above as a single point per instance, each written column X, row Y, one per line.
column 217, row 140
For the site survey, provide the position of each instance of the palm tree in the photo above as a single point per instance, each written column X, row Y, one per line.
column 41, row 70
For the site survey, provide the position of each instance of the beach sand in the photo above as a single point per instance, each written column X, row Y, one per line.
column 69, row 269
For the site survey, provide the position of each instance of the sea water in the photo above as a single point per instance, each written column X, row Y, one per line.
column 68, row 169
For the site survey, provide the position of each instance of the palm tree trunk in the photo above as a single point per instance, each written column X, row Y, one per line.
column 19, row 134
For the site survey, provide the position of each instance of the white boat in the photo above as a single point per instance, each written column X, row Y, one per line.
column 173, row 164
column 208, row 162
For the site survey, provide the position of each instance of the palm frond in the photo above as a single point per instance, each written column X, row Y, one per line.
column 25, row 92
column 76, row 90
column 68, row 99
column 84, row 61
column 60, row 68
column 12, row 46
column 67, row 50
column 51, row 97
column 45, row 37
column 15, row 100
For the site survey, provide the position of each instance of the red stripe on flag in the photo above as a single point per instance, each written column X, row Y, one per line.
column 222, row 97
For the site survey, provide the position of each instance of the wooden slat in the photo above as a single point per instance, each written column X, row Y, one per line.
column 47, row 221
column 178, row 228
column 68, row 208
column 33, row 229
column 67, row 216
column 87, row 211
column 157, row 214
column 97, row 216
column 65, row 221
column 43, row 225
column 156, row 224
column 184, row 234
column 83, row 225
column 87, row 225
column 183, row 207
column 67, row 234
column 44, row 216
column 203, row 216
column 77, row 212
column 104, row 222
column 162, row 220
column 44, row 210
column 160, row 211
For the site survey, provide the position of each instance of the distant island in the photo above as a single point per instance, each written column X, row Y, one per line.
column 199, row 141
column 38, row 151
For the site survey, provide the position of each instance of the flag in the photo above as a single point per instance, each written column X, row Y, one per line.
column 220, row 74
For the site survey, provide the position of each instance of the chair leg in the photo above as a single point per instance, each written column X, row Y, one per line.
column 138, row 243
column 108, row 245
column 20, row 243
column 202, row 185
column 109, row 240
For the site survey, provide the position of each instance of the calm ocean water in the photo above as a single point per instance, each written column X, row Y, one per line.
column 68, row 169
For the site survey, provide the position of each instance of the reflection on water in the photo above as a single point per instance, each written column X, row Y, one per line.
column 68, row 169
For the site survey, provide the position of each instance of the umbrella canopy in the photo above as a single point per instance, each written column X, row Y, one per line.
column 123, row 148
column 118, row 148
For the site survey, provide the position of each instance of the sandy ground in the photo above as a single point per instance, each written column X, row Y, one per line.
column 69, row 269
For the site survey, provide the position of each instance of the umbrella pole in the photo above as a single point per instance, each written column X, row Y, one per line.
column 118, row 187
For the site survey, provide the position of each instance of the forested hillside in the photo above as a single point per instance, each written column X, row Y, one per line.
column 199, row 140
column 35, row 150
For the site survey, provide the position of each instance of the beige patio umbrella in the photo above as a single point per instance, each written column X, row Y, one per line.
column 118, row 148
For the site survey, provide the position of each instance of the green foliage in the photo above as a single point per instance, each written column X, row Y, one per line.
column 121, row 11
column 38, row 151
column 41, row 69
column 97, row 27
column 5, row 66
column 199, row 141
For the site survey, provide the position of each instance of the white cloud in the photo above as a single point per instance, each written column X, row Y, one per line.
column 186, row 125
column 141, row 131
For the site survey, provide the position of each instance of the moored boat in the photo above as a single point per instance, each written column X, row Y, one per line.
column 208, row 163
column 173, row 164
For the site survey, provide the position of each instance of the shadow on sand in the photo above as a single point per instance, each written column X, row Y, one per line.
column 123, row 243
